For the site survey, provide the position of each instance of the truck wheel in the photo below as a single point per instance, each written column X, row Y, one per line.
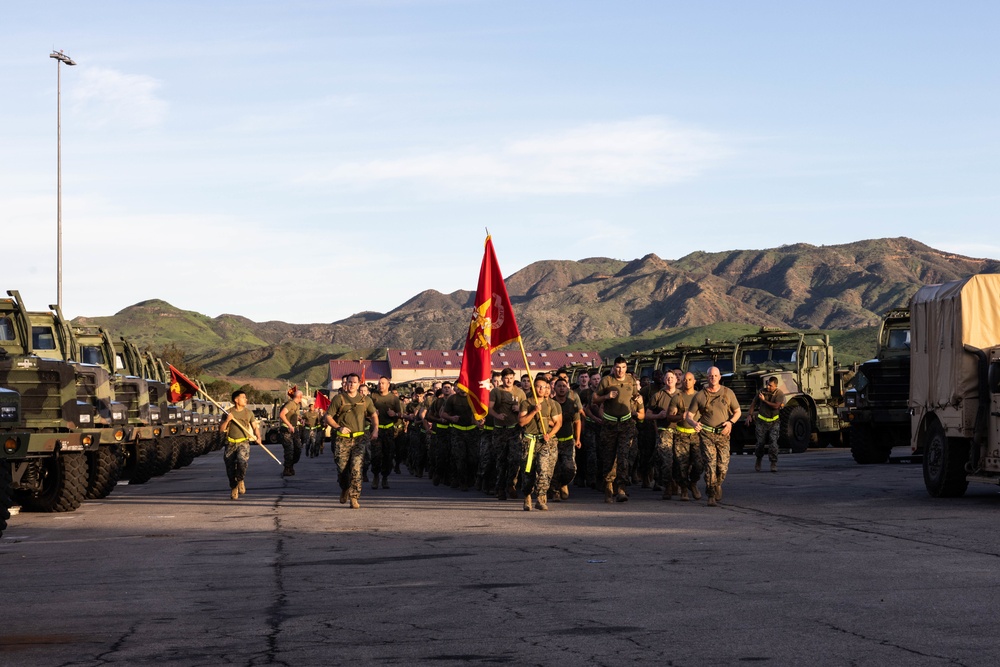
column 796, row 428
column 144, row 463
column 103, row 470
column 5, row 495
column 185, row 453
column 865, row 447
column 944, row 464
column 273, row 436
column 64, row 484
column 165, row 455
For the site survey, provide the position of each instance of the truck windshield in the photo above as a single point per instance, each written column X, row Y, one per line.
column 777, row 355
column 92, row 354
column 6, row 329
column 42, row 338
column 899, row 339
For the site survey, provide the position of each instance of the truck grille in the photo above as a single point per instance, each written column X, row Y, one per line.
column 745, row 388
column 888, row 383
column 128, row 393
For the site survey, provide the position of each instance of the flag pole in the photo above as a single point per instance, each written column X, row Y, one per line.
column 250, row 435
column 534, row 394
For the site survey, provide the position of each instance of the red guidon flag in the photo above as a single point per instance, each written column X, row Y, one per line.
column 321, row 402
column 181, row 388
column 492, row 327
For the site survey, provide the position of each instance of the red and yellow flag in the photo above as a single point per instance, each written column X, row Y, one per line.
column 181, row 388
column 321, row 402
column 492, row 326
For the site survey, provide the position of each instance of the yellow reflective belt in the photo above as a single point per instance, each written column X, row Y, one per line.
column 566, row 439
column 238, row 440
column 684, row 429
column 767, row 419
column 618, row 419
column 488, row 428
column 389, row 425
column 463, row 428
column 350, row 435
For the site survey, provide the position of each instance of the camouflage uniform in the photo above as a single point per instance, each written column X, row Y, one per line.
column 546, row 452
column 508, row 446
column 237, row 454
column 486, row 475
column 615, row 449
column 565, row 467
column 384, row 448
column 713, row 409
column 686, row 445
column 349, row 449
column 291, row 443
column 659, row 401
column 767, row 426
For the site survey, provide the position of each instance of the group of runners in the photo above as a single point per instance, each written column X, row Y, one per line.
column 540, row 435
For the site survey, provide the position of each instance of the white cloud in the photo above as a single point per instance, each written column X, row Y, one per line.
column 599, row 158
column 103, row 97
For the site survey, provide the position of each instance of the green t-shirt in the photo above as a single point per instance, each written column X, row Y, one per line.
column 385, row 403
column 245, row 417
column 350, row 412
column 621, row 405
column 457, row 405
column 291, row 409
column 507, row 403
column 570, row 414
column 550, row 409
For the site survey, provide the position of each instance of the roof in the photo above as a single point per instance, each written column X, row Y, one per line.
column 511, row 356
column 373, row 370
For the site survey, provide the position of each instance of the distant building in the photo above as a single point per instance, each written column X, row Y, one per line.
column 425, row 366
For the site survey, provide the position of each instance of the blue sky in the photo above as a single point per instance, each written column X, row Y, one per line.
column 303, row 161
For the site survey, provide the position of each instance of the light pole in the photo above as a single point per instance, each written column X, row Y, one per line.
column 60, row 59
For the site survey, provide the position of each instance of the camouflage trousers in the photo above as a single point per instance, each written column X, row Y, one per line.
column 687, row 456
column 615, row 451
column 647, row 441
column 542, row 465
column 588, row 455
column 565, row 467
column 510, row 452
column 349, row 453
column 237, row 456
column 665, row 454
column 402, row 441
column 465, row 455
column 418, row 451
column 292, row 446
column 486, row 475
column 382, row 450
column 767, row 436
column 715, row 453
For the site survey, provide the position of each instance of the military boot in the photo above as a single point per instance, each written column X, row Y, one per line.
column 667, row 495
column 343, row 496
column 242, row 487
column 718, row 492
column 609, row 493
column 564, row 492
column 375, row 483
column 385, row 481
column 355, row 504
column 756, row 465
column 234, row 493
column 774, row 467
column 542, row 504
column 684, row 494
column 695, row 493
column 527, row 502
column 622, row 496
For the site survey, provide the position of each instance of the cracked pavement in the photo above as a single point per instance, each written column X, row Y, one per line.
column 826, row 562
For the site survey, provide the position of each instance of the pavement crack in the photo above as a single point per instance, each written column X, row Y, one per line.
column 886, row 642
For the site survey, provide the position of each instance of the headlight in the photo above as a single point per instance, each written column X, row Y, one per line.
column 117, row 415
column 8, row 413
column 10, row 445
column 84, row 419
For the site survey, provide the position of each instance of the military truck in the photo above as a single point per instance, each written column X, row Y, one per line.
column 875, row 407
column 142, row 411
column 50, row 473
column 804, row 365
column 698, row 359
column 14, row 446
column 955, row 383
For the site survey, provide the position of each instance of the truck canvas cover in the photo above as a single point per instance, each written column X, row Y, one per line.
column 945, row 318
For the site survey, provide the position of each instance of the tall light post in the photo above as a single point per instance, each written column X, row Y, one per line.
column 60, row 59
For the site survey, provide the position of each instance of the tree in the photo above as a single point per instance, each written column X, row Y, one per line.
column 175, row 356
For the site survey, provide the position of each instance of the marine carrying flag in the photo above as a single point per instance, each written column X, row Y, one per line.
column 181, row 388
column 492, row 326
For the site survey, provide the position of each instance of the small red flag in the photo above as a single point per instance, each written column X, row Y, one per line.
column 321, row 402
column 492, row 326
column 181, row 388
column 362, row 373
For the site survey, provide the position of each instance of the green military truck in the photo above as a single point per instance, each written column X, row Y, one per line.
column 698, row 359
column 50, row 473
column 875, row 407
column 805, row 368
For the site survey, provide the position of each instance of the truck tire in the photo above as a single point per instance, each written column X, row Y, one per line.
column 144, row 463
column 273, row 436
column 165, row 455
column 104, row 467
column 944, row 464
column 185, row 452
column 796, row 428
column 865, row 446
column 5, row 495
column 64, row 484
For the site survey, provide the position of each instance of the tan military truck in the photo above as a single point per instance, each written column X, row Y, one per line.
column 955, row 383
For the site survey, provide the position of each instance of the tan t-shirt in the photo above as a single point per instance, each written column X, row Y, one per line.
column 714, row 408
column 621, row 405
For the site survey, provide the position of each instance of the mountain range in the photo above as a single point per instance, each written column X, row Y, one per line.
column 595, row 303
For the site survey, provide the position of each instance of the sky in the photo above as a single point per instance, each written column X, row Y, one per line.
column 304, row 161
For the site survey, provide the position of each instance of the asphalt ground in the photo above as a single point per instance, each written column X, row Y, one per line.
column 825, row 562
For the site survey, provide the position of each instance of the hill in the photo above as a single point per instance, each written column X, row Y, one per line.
column 601, row 303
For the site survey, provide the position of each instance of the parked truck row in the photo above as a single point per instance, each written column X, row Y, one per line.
column 80, row 410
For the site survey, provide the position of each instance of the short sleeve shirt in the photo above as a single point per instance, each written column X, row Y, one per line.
column 549, row 411
column 458, row 405
column 385, row 403
column 292, row 412
column 244, row 417
column 766, row 411
column 660, row 402
column 507, row 403
column 714, row 408
column 621, row 405
column 570, row 413
column 351, row 412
